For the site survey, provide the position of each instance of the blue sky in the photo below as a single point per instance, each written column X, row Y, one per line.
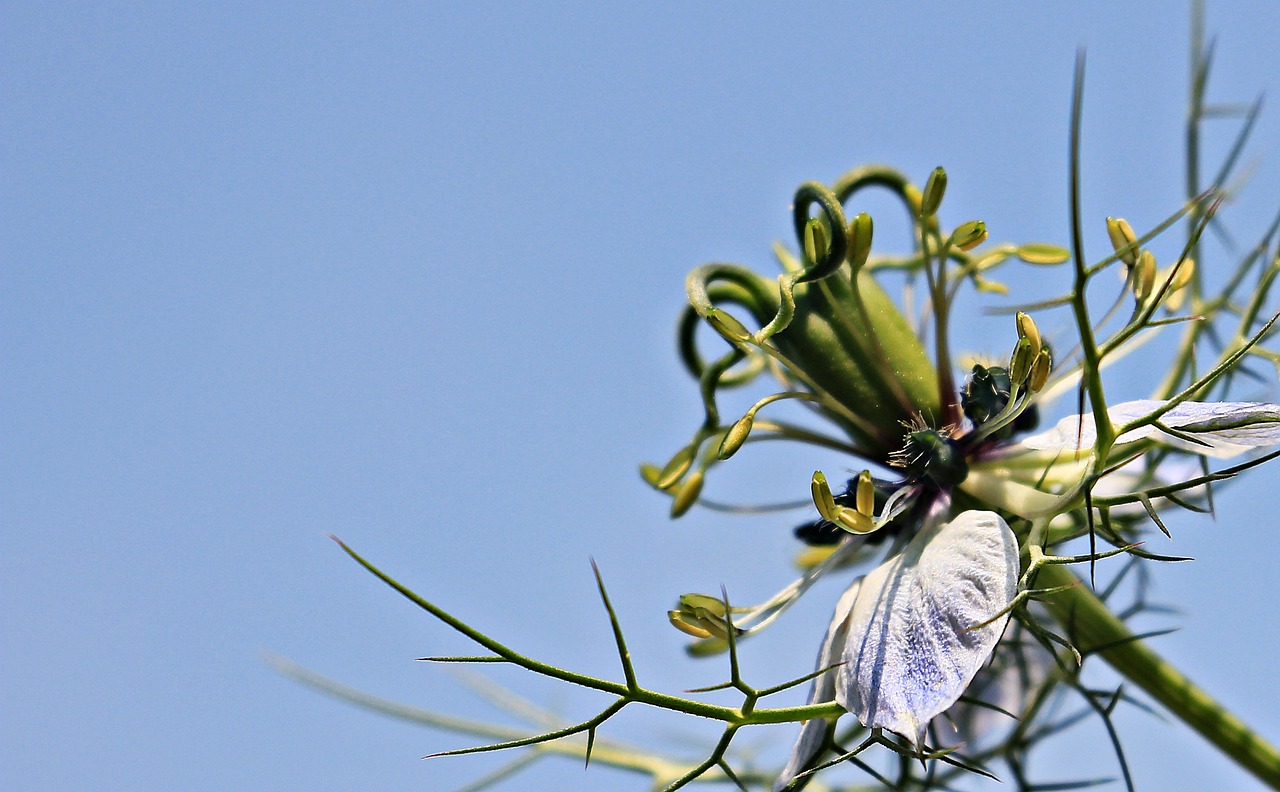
column 408, row 274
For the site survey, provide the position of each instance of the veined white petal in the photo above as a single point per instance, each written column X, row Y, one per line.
column 912, row 647
column 1216, row 429
column 822, row 690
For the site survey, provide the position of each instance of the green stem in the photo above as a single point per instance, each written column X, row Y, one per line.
column 1096, row 629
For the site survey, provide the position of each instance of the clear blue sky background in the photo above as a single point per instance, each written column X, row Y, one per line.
column 408, row 274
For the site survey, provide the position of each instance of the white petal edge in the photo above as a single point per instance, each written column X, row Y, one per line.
column 912, row 643
column 1222, row 429
column 822, row 690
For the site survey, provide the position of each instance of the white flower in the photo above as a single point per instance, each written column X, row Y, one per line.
column 1216, row 429
column 908, row 632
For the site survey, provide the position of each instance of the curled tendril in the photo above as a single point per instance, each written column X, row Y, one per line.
column 884, row 176
column 807, row 195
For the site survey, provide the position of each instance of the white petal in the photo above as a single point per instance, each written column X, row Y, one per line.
column 822, row 690
column 1219, row 429
column 911, row 649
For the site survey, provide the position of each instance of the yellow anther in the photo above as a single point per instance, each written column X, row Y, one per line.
column 1027, row 329
column 1020, row 362
column 1040, row 371
column 736, row 436
column 969, row 235
column 934, row 189
column 860, row 230
column 1144, row 276
column 687, row 495
column 1122, row 236
column 866, row 499
column 822, row 497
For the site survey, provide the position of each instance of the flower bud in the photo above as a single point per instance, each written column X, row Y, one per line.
column 969, row 235
column 860, row 229
column 933, row 191
column 1122, row 236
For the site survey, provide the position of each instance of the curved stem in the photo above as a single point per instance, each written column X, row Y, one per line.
column 1097, row 630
